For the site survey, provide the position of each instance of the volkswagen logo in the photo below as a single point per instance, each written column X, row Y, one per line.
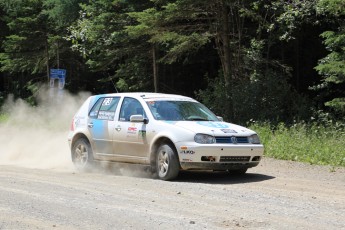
column 234, row 140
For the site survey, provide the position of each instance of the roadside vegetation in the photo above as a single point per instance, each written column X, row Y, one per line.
column 320, row 144
column 3, row 118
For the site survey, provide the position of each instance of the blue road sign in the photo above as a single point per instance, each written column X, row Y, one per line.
column 57, row 73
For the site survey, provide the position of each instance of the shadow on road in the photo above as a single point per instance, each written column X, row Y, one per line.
column 197, row 176
column 210, row 177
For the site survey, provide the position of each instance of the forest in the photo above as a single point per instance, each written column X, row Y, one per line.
column 278, row 66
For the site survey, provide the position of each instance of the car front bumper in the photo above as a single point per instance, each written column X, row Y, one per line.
column 219, row 157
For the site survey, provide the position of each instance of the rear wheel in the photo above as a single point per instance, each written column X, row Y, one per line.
column 82, row 155
column 167, row 163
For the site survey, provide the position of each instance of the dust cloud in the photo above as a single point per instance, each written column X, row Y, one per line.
column 36, row 137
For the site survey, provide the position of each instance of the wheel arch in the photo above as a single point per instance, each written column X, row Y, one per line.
column 78, row 136
column 155, row 146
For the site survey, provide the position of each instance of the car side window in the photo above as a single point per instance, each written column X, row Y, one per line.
column 131, row 106
column 104, row 109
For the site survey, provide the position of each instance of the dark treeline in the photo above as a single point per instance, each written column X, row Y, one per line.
column 277, row 61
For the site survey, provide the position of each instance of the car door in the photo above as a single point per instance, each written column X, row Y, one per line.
column 101, row 124
column 130, row 137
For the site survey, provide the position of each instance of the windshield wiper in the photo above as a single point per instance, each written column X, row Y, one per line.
column 196, row 118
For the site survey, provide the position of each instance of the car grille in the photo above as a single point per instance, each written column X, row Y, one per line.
column 234, row 158
column 232, row 140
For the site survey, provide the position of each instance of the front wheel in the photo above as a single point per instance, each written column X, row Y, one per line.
column 167, row 163
column 82, row 156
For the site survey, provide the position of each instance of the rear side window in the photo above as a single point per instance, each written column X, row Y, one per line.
column 104, row 108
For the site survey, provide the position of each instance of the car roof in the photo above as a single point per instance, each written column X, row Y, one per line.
column 148, row 96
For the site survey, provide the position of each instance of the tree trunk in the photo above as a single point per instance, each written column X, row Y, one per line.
column 57, row 55
column 47, row 56
column 225, row 56
column 155, row 69
column 225, row 42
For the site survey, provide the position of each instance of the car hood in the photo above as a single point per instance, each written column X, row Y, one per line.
column 215, row 128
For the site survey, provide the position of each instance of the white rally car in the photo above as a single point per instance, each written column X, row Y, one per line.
column 167, row 132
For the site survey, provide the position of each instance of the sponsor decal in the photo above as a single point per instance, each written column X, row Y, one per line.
column 79, row 121
column 171, row 122
column 217, row 125
column 187, row 151
column 152, row 103
column 187, row 160
column 106, row 115
column 107, row 101
column 228, row 131
column 132, row 130
column 142, row 134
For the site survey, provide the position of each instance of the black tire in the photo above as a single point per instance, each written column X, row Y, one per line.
column 238, row 172
column 167, row 163
column 82, row 156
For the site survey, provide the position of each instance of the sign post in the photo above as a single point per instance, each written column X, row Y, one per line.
column 60, row 75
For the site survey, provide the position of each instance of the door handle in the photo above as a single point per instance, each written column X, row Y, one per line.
column 118, row 128
column 90, row 125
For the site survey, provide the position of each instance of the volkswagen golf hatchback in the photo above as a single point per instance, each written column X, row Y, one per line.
column 167, row 132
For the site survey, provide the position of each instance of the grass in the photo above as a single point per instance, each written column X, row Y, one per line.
column 3, row 117
column 314, row 144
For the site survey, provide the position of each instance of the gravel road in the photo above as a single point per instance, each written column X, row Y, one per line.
column 274, row 195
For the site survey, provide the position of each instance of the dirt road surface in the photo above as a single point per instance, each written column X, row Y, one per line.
column 274, row 195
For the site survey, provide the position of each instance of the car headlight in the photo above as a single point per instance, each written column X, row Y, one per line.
column 204, row 139
column 254, row 139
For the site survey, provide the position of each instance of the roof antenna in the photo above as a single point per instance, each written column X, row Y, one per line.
column 111, row 79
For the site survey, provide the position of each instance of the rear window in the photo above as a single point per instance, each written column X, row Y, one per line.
column 104, row 108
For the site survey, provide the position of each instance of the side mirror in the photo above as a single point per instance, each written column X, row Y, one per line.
column 138, row 118
column 220, row 118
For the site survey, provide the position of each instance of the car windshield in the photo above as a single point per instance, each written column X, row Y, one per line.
column 180, row 111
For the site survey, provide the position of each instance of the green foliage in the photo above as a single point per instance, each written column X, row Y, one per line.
column 132, row 76
column 33, row 42
column 281, row 20
column 214, row 96
column 314, row 143
column 265, row 90
column 62, row 12
column 337, row 103
column 24, row 48
column 122, row 85
column 33, row 88
column 34, row 31
column 261, row 98
column 332, row 67
column 177, row 29
column 334, row 7
column 99, row 35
